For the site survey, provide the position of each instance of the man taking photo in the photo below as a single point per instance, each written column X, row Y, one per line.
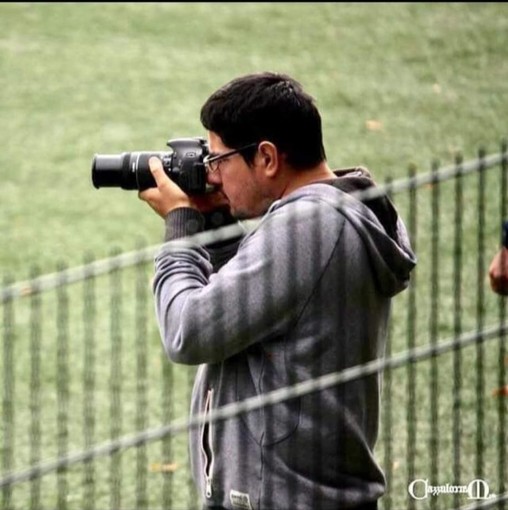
column 305, row 293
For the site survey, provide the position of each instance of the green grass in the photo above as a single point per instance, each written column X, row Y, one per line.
column 80, row 79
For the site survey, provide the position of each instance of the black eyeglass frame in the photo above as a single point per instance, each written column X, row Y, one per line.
column 207, row 160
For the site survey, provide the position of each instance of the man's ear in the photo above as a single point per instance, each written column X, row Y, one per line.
column 269, row 158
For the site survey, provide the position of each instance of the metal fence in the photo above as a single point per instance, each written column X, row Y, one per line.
column 94, row 416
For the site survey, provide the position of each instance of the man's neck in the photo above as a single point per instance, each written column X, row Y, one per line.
column 321, row 172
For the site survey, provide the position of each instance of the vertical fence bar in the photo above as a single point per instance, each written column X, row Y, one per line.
column 35, row 387
column 192, row 497
column 388, row 424
column 8, row 397
column 141, row 339
column 480, row 313
column 502, row 453
column 434, row 328
column 269, row 298
column 411, row 342
column 62, row 382
column 387, row 416
column 168, row 393
column 292, row 492
column 457, row 316
column 89, row 317
column 316, row 445
column 115, row 381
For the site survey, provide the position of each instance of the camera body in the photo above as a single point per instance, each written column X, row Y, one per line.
column 130, row 170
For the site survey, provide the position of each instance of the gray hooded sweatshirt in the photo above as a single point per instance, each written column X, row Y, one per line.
column 307, row 293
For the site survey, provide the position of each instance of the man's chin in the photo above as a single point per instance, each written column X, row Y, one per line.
column 239, row 214
column 242, row 214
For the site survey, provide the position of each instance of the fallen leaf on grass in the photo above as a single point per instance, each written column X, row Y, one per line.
column 157, row 467
column 500, row 392
column 374, row 125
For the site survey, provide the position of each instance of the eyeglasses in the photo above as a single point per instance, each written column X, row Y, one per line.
column 212, row 163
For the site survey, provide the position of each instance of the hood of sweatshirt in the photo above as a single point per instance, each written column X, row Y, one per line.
column 376, row 221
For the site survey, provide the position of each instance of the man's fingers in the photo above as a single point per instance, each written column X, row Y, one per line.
column 157, row 170
column 167, row 195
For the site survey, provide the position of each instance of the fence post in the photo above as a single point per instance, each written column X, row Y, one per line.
column 8, row 409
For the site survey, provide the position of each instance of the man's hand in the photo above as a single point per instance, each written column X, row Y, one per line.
column 498, row 272
column 167, row 196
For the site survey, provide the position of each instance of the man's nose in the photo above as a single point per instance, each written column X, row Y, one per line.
column 213, row 178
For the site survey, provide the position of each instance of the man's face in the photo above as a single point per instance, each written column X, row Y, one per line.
column 248, row 193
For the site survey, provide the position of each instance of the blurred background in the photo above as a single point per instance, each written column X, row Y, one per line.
column 401, row 87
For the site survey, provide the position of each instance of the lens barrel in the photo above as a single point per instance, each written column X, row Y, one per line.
column 128, row 170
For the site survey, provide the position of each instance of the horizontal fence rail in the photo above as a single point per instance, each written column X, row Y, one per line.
column 95, row 416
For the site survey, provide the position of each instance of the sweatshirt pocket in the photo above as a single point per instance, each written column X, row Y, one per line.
column 206, row 446
column 273, row 423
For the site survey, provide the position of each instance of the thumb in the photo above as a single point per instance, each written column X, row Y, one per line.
column 157, row 170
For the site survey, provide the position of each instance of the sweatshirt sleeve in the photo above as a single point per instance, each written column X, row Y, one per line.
column 206, row 317
column 186, row 221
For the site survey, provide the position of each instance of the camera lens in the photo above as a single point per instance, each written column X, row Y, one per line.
column 112, row 171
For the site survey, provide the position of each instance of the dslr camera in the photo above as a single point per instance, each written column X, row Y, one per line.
column 130, row 170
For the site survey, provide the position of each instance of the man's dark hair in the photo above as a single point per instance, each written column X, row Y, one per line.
column 267, row 106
